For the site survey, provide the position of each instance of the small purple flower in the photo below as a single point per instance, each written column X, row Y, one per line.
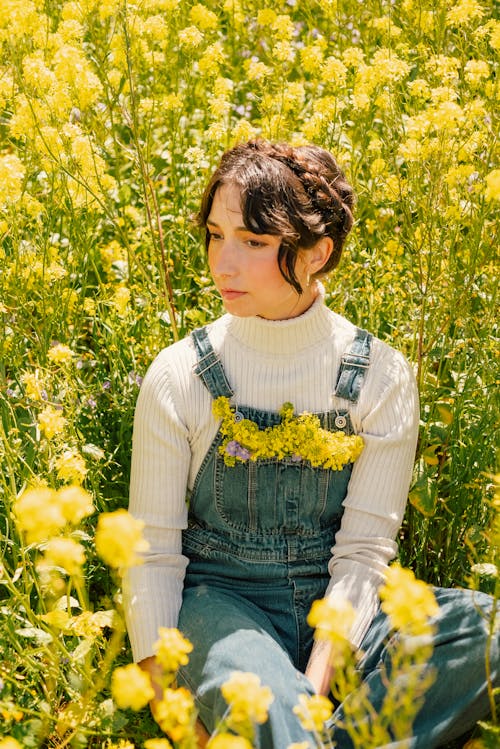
column 232, row 448
column 236, row 450
column 91, row 402
column 106, row 385
column 134, row 378
column 10, row 393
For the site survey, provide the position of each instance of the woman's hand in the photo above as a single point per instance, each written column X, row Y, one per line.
column 155, row 671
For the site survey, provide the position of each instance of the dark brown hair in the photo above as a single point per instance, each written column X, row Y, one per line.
column 299, row 193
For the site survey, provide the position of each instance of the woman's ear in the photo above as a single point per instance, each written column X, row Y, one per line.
column 318, row 255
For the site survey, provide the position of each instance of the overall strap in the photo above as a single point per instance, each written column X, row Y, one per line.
column 209, row 366
column 353, row 367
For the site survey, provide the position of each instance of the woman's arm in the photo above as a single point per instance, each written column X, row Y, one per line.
column 376, row 498
column 160, row 466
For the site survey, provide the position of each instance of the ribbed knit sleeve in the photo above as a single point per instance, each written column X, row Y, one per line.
column 161, row 459
column 378, row 488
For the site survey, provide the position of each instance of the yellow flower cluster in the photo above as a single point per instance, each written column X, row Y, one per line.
column 118, row 539
column 172, row 649
column 42, row 512
column 313, row 711
column 248, row 700
column 175, row 713
column 296, row 437
column 409, row 603
column 131, row 687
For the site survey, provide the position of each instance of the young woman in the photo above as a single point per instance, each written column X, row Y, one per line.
column 270, row 524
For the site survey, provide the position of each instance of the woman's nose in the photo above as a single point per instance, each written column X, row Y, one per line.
column 224, row 259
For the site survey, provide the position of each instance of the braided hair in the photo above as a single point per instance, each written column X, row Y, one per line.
column 298, row 193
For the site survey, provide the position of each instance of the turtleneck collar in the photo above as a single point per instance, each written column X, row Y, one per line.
column 284, row 336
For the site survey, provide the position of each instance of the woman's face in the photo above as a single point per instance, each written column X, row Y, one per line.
column 245, row 268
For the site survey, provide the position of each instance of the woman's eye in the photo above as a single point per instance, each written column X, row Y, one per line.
column 255, row 243
column 213, row 236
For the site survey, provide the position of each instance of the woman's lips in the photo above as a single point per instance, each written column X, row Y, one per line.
column 231, row 294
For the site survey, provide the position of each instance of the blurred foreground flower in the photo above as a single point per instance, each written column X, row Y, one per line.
column 409, row 603
column 118, row 539
column 131, row 687
column 228, row 741
column 247, row 698
column 175, row 713
column 42, row 512
column 172, row 649
column 313, row 711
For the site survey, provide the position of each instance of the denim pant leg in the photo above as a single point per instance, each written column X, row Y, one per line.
column 458, row 696
column 231, row 634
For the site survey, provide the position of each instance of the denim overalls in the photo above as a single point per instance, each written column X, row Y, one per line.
column 259, row 540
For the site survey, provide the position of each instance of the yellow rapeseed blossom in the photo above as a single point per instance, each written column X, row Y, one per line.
column 60, row 353
column 296, row 437
column 247, row 698
column 331, row 618
column 39, row 514
column 118, row 539
column 120, row 300
column 202, row 17
column 313, row 711
column 464, row 12
column 75, row 503
column 256, row 70
column 70, row 466
column 172, row 649
column 175, row 713
column 228, row 741
column 51, row 422
column 33, row 386
column 11, row 178
column 409, row 603
column 65, row 553
column 131, row 687
column 266, row 17
column 476, row 71
column 492, row 191
column 9, row 743
column 190, row 38
column 157, row 744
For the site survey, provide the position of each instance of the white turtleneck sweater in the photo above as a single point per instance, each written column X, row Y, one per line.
column 268, row 363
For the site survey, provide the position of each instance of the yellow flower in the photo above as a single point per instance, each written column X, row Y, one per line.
column 203, row 17
column 492, row 191
column 313, row 711
column 464, row 12
column 247, row 698
column 175, row 713
column 228, row 741
column 131, row 687
column 118, row 539
column 70, row 466
column 157, row 744
column 190, row 38
column 9, row 743
column 51, row 422
column 33, row 386
column 332, row 618
column 121, row 299
column 266, row 17
column 39, row 514
column 172, row 648
column 11, row 178
column 65, row 553
column 409, row 603
column 60, row 353
column 75, row 503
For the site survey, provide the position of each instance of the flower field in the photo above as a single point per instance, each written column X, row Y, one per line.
column 112, row 115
